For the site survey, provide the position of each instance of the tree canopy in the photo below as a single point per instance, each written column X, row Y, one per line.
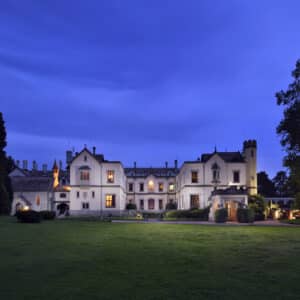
column 289, row 128
column 5, row 186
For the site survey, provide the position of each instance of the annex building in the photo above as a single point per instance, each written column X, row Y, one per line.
column 92, row 185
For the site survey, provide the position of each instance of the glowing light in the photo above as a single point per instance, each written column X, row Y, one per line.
column 25, row 208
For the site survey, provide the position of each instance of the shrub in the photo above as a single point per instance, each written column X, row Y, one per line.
column 245, row 215
column 257, row 203
column 28, row 216
column 47, row 215
column 200, row 214
column 171, row 205
column 221, row 215
column 130, row 206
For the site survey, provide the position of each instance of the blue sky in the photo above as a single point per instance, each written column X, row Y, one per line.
column 145, row 81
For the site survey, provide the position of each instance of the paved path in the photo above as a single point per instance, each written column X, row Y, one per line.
column 257, row 223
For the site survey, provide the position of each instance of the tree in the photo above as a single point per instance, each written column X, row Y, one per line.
column 280, row 182
column 265, row 185
column 5, row 199
column 289, row 128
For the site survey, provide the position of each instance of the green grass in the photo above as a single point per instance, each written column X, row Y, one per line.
column 96, row 260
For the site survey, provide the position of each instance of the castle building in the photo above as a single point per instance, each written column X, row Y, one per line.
column 92, row 185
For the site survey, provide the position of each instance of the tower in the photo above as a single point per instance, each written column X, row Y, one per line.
column 250, row 155
column 55, row 170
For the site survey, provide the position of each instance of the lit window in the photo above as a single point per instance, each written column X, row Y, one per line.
column 194, row 201
column 160, row 187
column 85, row 205
column 110, row 201
column 84, row 175
column 194, row 176
column 236, row 176
column 151, row 204
column 141, row 187
column 38, row 200
column 151, row 185
column 171, row 187
column 110, row 176
column 130, row 187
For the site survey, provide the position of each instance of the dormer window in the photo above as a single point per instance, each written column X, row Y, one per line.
column 110, row 176
column 215, row 172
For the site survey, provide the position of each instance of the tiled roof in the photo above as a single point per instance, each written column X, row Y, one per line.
column 31, row 184
column 230, row 191
column 157, row 172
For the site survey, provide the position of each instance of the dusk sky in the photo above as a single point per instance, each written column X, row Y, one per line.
column 146, row 81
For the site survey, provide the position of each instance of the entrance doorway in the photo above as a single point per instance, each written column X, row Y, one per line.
column 232, row 208
column 62, row 208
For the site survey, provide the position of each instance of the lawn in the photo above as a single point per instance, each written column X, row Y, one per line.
column 92, row 260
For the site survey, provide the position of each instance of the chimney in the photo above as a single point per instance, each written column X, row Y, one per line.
column 94, row 150
column 25, row 164
column 176, row 163
column 69, row 157
column 166, row 164
column 44, row 167
column 34, row 165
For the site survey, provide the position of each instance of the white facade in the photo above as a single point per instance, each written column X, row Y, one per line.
column 100, row 187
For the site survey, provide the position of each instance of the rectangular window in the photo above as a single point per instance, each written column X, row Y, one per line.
column 84, row 175
column 160, row 204
column 85, row 205
column 236, row 176
column 110, row 176
column 160, row 187
column 141, row 187
column 77, row 194
column 194, row 177
column 93, row 194
column 63, row 195
column 130, row 187
column 151, row 204
column 171, row 187
column 110, row 201
column 194, row 201
column 141, row 204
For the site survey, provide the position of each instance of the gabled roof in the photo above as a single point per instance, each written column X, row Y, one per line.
column 229, row 157
column 145, row 172
column 98, row 157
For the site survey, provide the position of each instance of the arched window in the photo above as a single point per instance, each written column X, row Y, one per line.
column 215, row 172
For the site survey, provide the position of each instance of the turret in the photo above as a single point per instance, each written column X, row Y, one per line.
column 250, row 155
column 55, row 170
